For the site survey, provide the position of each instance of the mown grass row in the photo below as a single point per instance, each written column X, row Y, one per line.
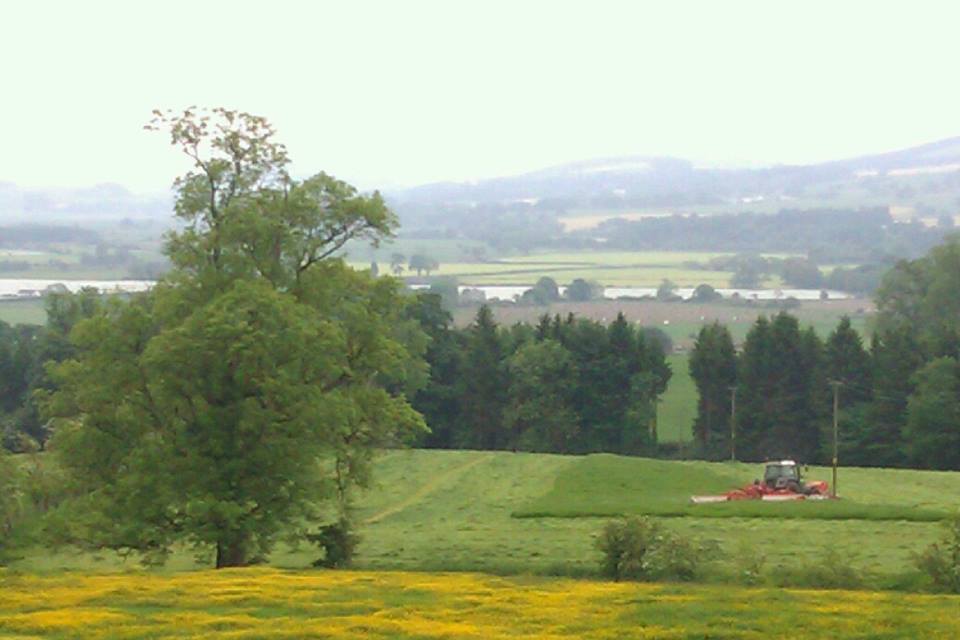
column 609, row 486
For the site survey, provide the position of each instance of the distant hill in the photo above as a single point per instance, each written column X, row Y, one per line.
column 920, row 181
column 100, row 202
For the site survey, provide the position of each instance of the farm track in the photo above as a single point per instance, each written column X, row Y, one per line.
column 430, row 487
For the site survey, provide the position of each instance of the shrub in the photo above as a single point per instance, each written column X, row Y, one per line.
column 675, row 557
column 625, row 545
column 339, row 543
column 749, row 563
column 941, row 560
column 642, row 549
column 832, row 571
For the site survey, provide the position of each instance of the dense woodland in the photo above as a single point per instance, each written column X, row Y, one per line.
column 566, row 385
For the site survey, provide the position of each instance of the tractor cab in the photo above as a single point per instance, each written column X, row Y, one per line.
column 782, row 474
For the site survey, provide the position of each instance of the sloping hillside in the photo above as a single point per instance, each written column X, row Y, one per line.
column 921, row 182
column 455, row 510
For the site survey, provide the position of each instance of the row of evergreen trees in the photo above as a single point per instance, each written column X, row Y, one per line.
column 565, row 385
column 892, row 407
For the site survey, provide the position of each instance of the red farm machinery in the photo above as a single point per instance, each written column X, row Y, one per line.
column 782, row 481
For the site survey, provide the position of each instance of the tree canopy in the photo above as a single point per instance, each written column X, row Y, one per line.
column 255, row 379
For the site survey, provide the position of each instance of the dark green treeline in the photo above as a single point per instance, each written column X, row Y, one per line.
column 898, row 398
column 566, row 385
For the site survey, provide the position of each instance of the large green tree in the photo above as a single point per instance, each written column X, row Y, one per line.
column 254, row 380
column 922, row 295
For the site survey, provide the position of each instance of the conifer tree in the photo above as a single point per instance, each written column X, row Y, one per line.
column 847, row 362
column 779, row 406
column 439, row 400
column 484, row 384
column 713, row 368
column 896, row 355
column 756, row 386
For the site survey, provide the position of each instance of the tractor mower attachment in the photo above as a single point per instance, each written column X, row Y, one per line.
column 782, row 482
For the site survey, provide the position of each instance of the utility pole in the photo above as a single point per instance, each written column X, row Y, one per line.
column 733, row 424
column 653, row 421
column 836, row 409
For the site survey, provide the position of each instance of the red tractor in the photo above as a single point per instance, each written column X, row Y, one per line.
column 782, row 480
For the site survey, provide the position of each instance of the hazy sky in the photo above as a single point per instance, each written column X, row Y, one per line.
column 404, row 92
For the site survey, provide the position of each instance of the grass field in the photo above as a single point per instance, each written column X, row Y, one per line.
column 454, row 510
column 611, row 276
column 613, row 268
column 678, row 406
column 607, row 485
column 265, row 603
column 444, row 510
column 23, row 312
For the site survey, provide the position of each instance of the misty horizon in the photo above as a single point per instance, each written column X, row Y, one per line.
column 397, row 96
column 573, row 164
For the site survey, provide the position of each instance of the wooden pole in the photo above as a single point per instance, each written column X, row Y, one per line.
column 733, row 424
column 836, row 431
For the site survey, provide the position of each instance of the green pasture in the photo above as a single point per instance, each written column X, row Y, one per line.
column 610, row 268
column 607, row 485
column 617, row 258
column 455, row 510
column 608, row 275
column 678, row 406
column 443, row 250
column 29, row 311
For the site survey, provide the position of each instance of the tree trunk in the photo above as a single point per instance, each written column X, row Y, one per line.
column 231, row 554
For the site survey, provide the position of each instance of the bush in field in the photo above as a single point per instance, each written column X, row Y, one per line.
column 642, row 549
column 749, row 562
column 339, row 543
column 675, row 557
column 832, row 571
column 941, row 560
column 626, row 545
